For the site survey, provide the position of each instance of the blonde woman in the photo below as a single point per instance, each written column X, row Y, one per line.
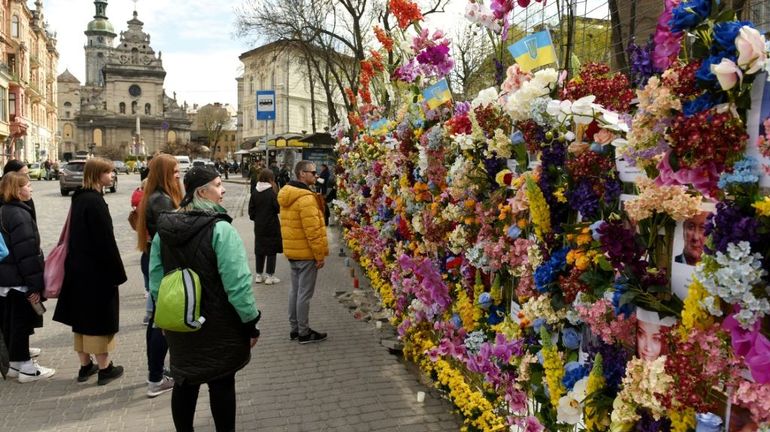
column 88, row 301
column 21, row 277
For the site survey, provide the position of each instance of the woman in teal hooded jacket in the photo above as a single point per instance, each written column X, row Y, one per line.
column 200, row 237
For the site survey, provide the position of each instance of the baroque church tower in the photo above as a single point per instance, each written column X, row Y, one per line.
column 122, row 108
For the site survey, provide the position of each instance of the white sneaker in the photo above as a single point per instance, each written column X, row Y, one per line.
column 273, row 280
column 269, row 280
column 34, row 352
column 160, row 387
column 258, row 278
column 13, row 372
column 41, row 372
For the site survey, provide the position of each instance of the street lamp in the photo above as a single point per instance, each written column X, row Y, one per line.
column 91, row 149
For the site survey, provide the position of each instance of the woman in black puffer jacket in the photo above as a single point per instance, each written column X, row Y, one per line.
column 21, row 277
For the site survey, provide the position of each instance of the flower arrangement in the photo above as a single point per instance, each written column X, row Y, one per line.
column 494, row 229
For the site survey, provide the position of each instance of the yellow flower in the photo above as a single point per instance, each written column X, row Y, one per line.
column 559, row 195
column 554, row 369
column 596, row 420
column 682, row 421
column 763, row 206
column 538, row 207
column 693, row 314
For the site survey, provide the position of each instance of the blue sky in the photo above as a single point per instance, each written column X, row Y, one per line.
column 200, row 54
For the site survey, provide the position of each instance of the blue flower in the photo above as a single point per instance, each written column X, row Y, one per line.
column 689, row 14
column 726, row 32
column 517, row 137
column 702, row 103
column 708, row 422
column 537, row 324
column 547, row 272
column 570, row 338
column 496, row 315
column 514, row 232
column 485, row 300
column 573, row 372
column 621, row 286
column 744, row 172
column 456, row 321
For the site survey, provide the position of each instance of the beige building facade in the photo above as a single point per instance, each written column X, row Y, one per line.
column 28, row 88
column 123, row 104
column 278, row 67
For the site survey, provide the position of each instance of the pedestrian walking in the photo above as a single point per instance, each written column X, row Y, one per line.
column 200, row 237
column 263, row 210
column 305, row 245
column 93, row 270
column 163, row 192
column 21, row 279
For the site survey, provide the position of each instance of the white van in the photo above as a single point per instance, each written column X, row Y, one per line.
column 184, row 163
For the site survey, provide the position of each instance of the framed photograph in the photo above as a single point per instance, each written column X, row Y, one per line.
column 649, row 341
column 689, row 239
column 755, row 118
column 626, row 172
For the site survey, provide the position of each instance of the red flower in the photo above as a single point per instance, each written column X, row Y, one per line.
column 611, row 91
column 406, row 12
column 383, row 37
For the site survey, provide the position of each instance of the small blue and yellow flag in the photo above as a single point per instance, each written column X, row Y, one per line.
column 437, row 94
column 533, row 51
column 379, row 127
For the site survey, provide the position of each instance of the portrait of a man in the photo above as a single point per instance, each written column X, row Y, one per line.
column 694, row 237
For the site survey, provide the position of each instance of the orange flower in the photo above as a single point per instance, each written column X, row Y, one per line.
column 406, row 12
column 376, row 61
column 384, row 39
column 351, row 96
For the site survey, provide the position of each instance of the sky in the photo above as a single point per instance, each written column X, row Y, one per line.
column 196, row 37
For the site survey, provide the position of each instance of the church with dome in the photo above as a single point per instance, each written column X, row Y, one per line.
column 122, row 108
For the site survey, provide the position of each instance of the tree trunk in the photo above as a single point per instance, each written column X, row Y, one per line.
column 618, row 46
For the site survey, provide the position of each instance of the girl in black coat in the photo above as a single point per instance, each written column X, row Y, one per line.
column 21, row 277
column 263, row 210
column 88, row 301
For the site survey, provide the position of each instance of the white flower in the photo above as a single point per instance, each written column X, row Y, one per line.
column 464, row 141
column 613, row 122
column 752, row 53
column 584, row 110
column 485, row 97
column 570, row 408
column 728, row 74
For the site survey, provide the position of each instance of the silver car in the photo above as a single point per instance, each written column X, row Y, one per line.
column 71, row 177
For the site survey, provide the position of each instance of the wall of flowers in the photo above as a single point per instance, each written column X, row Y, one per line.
column 574, row 253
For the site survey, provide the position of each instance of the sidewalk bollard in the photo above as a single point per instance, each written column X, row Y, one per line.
column 420, row 396
column 355, row 283
column 342, row 252
column 378, row 324
column 347, row 262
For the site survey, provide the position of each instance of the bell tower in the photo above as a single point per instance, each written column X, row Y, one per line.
column 99, row 38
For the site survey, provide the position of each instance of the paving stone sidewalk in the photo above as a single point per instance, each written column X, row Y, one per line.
column 347, row 383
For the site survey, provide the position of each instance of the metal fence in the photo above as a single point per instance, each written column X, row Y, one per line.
column 600, row 30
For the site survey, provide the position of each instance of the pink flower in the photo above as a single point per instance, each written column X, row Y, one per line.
column 667, row 44
column 751, row 50
column 728, row 73
column 704, row 178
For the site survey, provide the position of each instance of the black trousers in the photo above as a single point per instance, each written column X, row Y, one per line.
column 17, row 320
column 261, row 264
column 184, row 398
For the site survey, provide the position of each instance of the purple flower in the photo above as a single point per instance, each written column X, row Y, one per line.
column 730, row 225
column 407, row 72
column 583, row 199
column 641, row 67
column 647, row 423
column 462, row 108
column 614, row 359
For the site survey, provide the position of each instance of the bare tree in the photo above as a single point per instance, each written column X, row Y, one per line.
column 211, row 119
column 473, row 54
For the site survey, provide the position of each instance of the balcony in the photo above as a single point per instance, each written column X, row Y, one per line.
column 19, row 125
column 34, row 61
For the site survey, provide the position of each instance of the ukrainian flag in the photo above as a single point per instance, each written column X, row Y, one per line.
column 379, row 127
column 437, row 94
column 533, row 51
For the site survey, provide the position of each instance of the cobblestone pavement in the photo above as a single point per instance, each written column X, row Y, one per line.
column 347, row 383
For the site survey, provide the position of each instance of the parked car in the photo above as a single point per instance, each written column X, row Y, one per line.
column 120, row 167
column 71, row 177
column 37, row 171
column 184, row 163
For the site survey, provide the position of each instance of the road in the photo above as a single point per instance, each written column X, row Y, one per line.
column 347, row 383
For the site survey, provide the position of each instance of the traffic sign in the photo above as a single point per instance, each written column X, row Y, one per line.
column 265, row 104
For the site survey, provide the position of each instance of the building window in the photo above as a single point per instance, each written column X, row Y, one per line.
column 12, row 103
column 66, row 114
column 15, row 30
column 67, row 104
column 133, row 107
column 147, row 109
column 122, row 107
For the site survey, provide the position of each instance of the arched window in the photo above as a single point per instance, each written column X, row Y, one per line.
column 147, row 109
column 68, row 131
column 67, row 104
column 133, row 107
column 122, row 107
column 15, row 26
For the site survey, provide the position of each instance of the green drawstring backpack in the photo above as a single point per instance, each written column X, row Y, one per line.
column 179, row 302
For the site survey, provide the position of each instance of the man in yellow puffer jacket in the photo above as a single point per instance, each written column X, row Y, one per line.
column 304, row 244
